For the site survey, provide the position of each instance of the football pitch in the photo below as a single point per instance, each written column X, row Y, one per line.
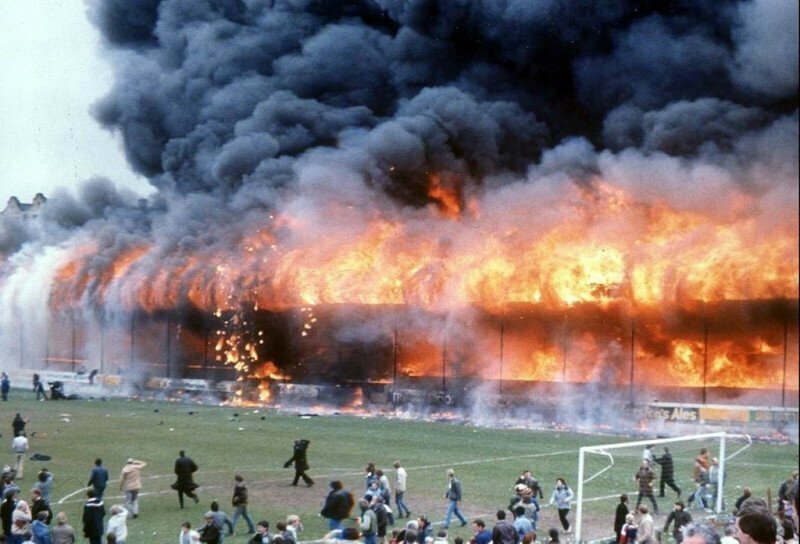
column 255, row 442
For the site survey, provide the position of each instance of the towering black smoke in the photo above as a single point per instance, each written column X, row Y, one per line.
column 278, row 134
column 223, row 96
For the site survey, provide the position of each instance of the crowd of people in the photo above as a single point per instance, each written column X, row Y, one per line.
column 750, row 522
column 381, row 504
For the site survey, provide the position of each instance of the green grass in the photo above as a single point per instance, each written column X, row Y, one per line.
column 255, row 443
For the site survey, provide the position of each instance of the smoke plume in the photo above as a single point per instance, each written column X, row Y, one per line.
column 429, row 153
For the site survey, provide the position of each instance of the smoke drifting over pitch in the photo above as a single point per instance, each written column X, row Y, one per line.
column 468, row 153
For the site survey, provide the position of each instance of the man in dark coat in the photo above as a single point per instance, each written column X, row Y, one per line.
column 680, row 518
column 338, row 505
column 7, row 510
column 93, row 514
column 645, row 477
column 18, row 424
column 667, row 473
column 184, row 485
column 209, row 532
column 620, row 515
column 38, row 504
column 98, row 478
column 504, row 532
column 300, row 462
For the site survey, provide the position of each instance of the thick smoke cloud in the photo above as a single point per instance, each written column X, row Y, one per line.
column 212, row 95
column 278, row 133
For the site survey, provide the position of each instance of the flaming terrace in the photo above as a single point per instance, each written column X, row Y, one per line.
column 553, row 208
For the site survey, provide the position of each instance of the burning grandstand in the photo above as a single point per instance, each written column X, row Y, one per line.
column 431, row 196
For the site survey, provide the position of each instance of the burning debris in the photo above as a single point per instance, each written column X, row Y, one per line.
column 340, row 195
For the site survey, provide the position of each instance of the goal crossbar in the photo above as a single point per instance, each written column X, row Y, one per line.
column 603, row 450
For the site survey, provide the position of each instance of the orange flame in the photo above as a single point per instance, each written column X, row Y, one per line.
column 594, row 244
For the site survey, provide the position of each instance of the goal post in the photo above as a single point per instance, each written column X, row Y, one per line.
column 607, row 467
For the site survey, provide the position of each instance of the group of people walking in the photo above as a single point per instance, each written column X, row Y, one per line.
column 33, row 520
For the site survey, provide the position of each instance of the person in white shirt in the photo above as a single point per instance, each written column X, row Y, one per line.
column 117, row 523
column 647, row 455
column 20, row 446
column 187, row 534
column 400, row 491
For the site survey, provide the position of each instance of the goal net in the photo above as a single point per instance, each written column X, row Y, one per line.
column 607, row 471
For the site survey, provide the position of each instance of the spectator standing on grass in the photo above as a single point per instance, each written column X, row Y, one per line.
column 94, row 512
column 522, row 524
column 552, row 536
column 39, row 505
column 369, row 475
column 118, row 523
column 504, row 532
column 382, row 513
column 40, row 530
column 239, row 503
column 368, row 523
column 529, row 480
column 482, row 535
column 629, row 531
column 338, row 505
column 187, row 534
column 130, row 483
column 524, row 498
column 562, row 497
column 647, row 527
column 293, row 526
column 786, row 486
column 423, row 529
column 619, row 516
column 647, row 455
column 7, row 510
column 680, row 518
column 20, row 446
column 667, row 473
column 38, row 388
column 62, row 532
column 18, row 424
column 282, row 536
column 5, row 385
column 20, row 523
column 262, row 535
column 453, row 495
column 210, row 531
column 700, row 467
column 98, row 478
column 384, row 486
column 645, row 477
column 221, row 520
column 44, row 483
column 401, row 478
column 184, row 485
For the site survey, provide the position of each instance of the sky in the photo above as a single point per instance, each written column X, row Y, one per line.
column 51, row 74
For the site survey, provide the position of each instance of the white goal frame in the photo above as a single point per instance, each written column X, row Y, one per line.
column 603, row 450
